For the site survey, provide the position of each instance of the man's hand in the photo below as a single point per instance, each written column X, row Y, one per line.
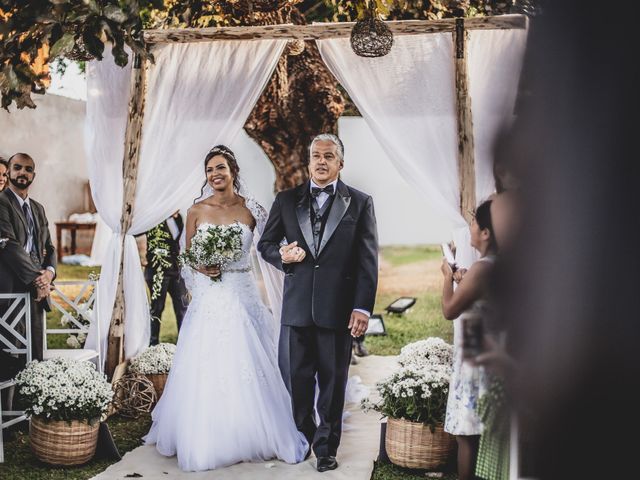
column 292, row 253
column 44, row 280
column 358, row 323
column 42, row 292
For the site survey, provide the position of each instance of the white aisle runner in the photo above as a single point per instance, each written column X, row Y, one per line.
column 358, row 449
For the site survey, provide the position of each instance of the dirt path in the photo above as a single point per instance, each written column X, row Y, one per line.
column 410, row 278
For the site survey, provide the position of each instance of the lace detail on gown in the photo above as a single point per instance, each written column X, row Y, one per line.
column 225, row 401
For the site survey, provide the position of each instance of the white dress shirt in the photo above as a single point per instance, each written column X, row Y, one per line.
column 173, row 227
column 324, row 196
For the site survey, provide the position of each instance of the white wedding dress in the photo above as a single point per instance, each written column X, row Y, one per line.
column 224, row 401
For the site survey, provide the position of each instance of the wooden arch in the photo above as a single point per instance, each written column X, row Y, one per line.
column 458, row 27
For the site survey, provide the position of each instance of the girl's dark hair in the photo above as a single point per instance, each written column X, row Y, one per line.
column 483, row 219
column 229, row 156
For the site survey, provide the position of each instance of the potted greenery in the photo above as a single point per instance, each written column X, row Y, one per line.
column 155, row 362
column 65, row 400
column 414, row 400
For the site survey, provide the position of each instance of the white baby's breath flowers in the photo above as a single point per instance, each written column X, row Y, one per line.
column 64, row 389
column 83, row 316
column 417, row 391
column 431, row 351
column 154, row 360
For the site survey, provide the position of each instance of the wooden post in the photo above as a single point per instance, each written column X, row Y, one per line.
column 133, row 139
column 466, row 163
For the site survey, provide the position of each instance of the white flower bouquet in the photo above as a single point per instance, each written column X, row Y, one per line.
column 64, row 389
column 431, row 351
column 154, row 360
column 418, row 390
column 214, row 245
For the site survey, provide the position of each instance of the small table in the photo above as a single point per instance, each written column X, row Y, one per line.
column 73, row 227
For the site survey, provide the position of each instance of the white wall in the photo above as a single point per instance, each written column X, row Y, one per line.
column 53, row 135
column 404, row 217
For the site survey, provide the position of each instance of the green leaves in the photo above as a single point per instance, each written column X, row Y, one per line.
column 63, row 46
column 73, row 29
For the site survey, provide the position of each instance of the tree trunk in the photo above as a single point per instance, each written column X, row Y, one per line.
column 301, row 101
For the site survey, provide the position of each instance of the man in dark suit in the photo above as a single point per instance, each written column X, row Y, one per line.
column 28, row 260
column 330, row 260
column 162, row 272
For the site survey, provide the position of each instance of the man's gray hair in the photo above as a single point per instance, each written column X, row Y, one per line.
column 328, row 137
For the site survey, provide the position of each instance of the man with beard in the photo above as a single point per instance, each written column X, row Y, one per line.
column 27, row 260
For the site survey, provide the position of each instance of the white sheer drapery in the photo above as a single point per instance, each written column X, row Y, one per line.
column 408, row 100
column 198, row 95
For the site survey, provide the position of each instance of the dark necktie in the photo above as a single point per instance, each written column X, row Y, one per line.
column 31, row 226
column 315, row 191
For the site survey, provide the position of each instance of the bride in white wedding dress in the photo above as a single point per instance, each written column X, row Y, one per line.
column 224, row 401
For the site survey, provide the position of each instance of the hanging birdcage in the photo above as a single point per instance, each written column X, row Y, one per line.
column 370, row 36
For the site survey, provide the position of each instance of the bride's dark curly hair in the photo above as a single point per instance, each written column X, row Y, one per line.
column 230, row 157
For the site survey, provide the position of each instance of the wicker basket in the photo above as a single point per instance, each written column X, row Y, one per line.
column 63, row 443
column 412, row 445
column 158, row 380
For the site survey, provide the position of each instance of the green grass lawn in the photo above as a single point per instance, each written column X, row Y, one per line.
column 21, row 463
column 410, row 254
column 424, row 319
column 389, row 471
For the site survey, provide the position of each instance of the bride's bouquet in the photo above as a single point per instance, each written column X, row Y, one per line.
column 214, row 245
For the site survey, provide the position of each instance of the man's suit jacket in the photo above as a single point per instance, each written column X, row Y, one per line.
column 324, row 290
column 17, row 269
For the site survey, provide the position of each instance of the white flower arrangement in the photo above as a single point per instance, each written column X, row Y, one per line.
column 212, row 245
column 418, row 390
column 64, row 389
column 431, row 351
column 154, row 360
column 84, row 317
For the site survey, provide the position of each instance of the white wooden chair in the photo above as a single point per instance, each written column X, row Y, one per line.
column 14, row 342
column 71, row 307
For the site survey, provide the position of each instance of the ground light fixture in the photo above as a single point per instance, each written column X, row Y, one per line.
column 376, row 325
column 401, row 305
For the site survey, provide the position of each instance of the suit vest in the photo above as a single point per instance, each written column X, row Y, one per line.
column 319, row 219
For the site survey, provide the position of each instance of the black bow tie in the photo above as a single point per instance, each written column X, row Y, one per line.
column 315, row 191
